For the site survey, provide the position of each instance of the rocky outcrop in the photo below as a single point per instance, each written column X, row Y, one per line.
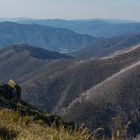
column 10, row 98
column 10, row 90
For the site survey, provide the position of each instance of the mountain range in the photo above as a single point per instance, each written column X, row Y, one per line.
column 57, row 82
column 50, row 38
column 86, row 71
column 115, row 96
column 65, row 85
column 106, row 47
column 94, row 27
column 92, row 91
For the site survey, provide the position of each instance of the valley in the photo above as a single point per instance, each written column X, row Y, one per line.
column 83, row 79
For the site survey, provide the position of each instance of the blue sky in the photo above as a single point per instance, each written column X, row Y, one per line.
column 71, row 9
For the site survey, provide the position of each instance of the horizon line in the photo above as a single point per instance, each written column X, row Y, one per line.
column 70, row 19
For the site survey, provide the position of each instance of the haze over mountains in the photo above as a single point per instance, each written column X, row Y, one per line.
column 94, row 27
column 96, row 80
column 61, row 38
column 50, row 38
column 106, row 47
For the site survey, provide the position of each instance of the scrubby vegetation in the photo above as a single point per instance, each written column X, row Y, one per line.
column 13, row 126
column 21, row 121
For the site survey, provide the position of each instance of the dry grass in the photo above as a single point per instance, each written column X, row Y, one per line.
column 12, row 126
column 15, row 127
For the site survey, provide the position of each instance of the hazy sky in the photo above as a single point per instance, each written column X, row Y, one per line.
column 71, row 9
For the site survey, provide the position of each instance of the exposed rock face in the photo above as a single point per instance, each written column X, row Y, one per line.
column 10, row 90
column 10, row 100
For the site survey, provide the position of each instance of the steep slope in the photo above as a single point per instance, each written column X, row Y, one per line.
column 117, row 96
column 61, row 87
column 42, row 36
column 22, row 62
column 106, row 47
column 54, row 84
column 20, row 120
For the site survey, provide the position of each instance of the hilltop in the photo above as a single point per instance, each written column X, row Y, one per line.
column 23, row 61
column 20, row 120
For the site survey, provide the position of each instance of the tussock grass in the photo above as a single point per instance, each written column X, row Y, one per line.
column 15, row 127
